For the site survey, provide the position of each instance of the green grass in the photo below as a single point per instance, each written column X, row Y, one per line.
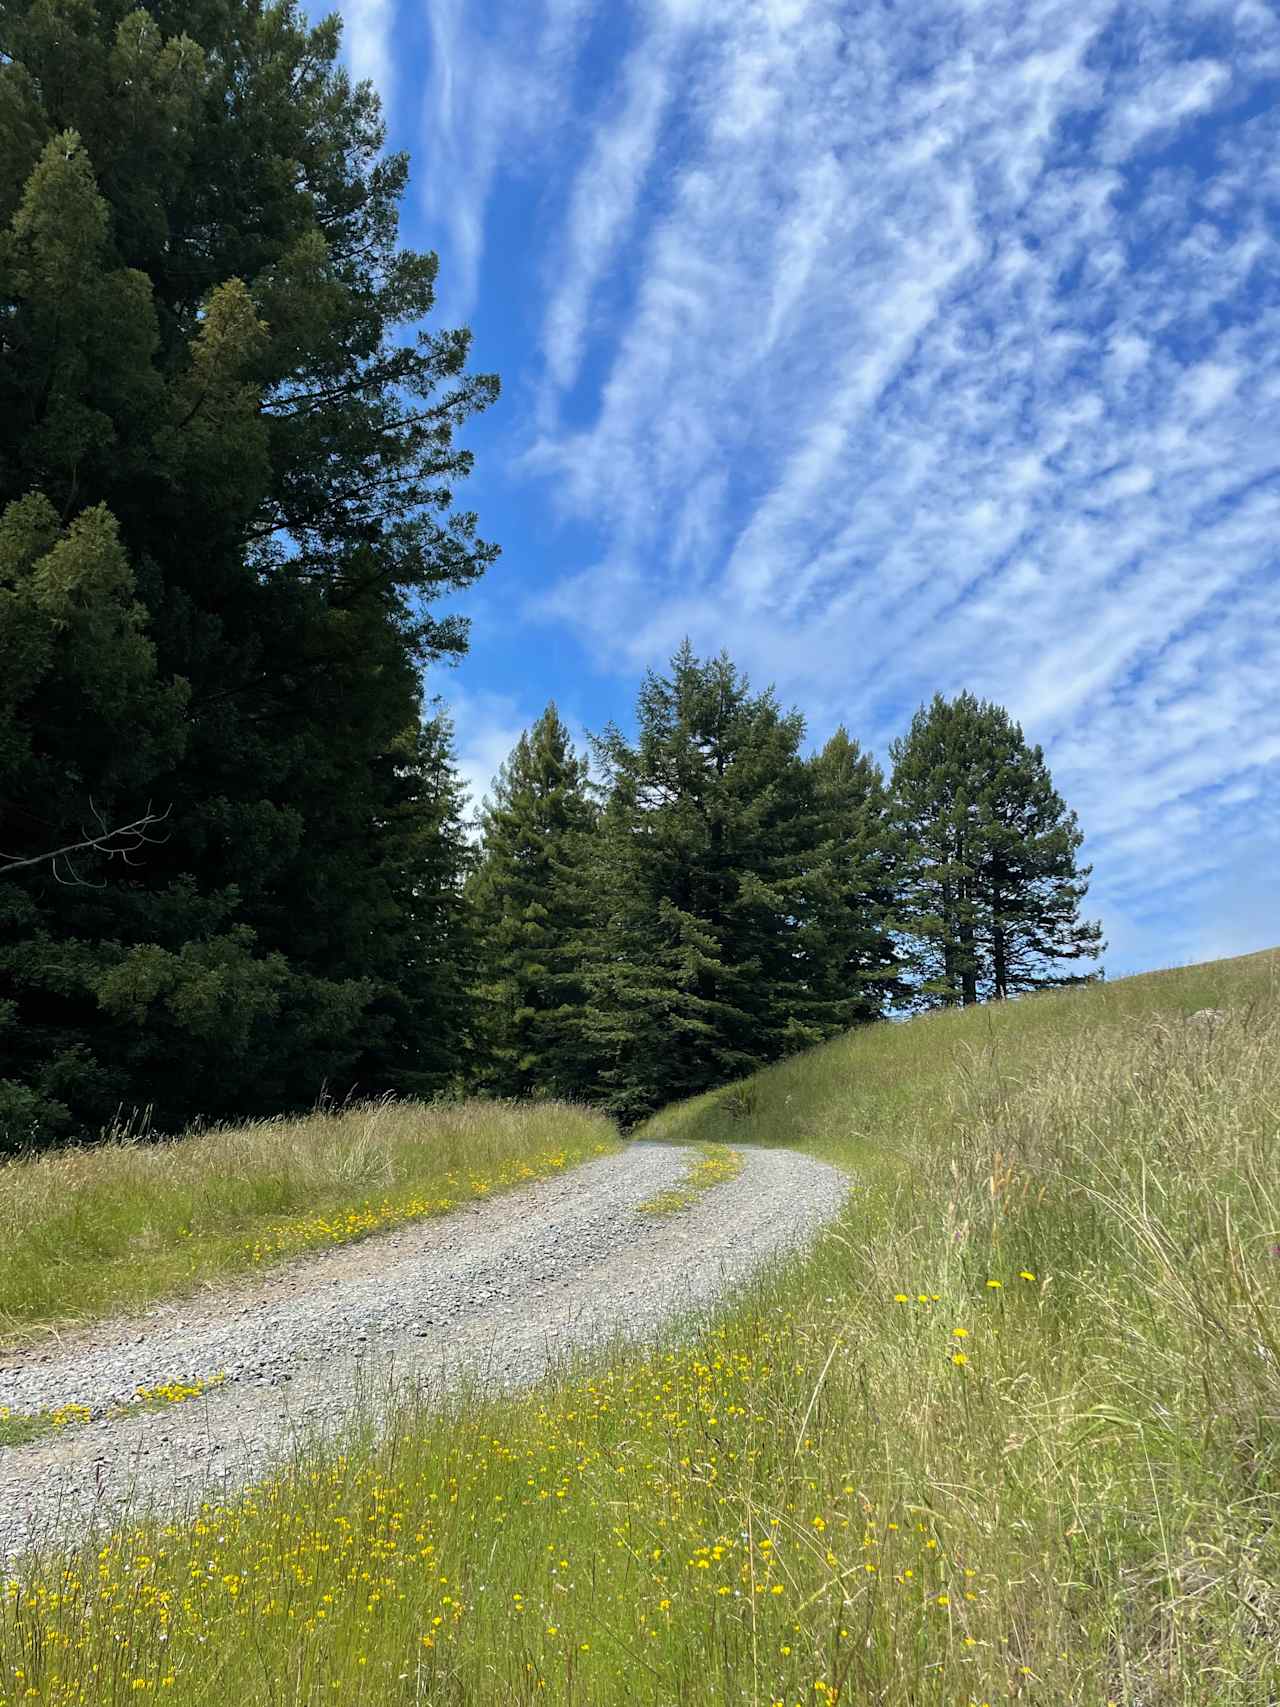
column 826, row 1492
column 712, row 1165
column 112, row 1228
column 869, row 1099
column 18, row 1428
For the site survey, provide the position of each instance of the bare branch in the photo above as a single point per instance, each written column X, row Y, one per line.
column 118, row 843
column 75, row 881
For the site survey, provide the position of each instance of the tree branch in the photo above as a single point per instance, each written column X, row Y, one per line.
column 118, row 843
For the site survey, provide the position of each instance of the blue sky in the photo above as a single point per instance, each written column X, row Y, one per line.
column 896, row 348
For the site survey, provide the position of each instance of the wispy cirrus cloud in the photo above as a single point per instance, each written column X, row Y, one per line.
column 602, row 204
column 367, row 37
column 495, row 94
column 943, row 357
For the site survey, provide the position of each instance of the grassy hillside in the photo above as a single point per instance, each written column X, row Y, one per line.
column 874, row 1095
column 84, row 1232
column 1011, row 1433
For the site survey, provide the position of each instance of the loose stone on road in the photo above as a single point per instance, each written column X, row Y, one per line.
column 496, row 1292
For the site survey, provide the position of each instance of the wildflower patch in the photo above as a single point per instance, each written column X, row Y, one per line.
column 19, row 1427
column 315, row 1232
column 715, row 1165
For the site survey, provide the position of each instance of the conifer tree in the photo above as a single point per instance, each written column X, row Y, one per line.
column 226, row 504
column 848, row 962
column 427, row 950
column 530, row 895
column 991, row 887
column 692, row 956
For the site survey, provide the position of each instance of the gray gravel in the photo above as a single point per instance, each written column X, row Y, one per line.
column 498, row 1292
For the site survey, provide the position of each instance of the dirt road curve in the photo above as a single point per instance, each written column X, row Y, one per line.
column 496, row 1292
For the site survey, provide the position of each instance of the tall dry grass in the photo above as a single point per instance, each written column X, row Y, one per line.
column 117, row 1225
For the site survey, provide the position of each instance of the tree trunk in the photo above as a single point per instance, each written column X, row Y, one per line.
column 968, row 959
column 948, row 943
column 999, row 957
column 968, row 971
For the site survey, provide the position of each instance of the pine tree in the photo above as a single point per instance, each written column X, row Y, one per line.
column 848, row 961
column 226, row 504
column 427, row 953
column 692, row 958
column 992, row 891
column 530, row 899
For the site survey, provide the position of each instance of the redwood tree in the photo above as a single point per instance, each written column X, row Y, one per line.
column 226, row 506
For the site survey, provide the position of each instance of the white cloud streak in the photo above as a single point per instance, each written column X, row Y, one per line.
column 367, row 31
column 1159, row 104
column 495, row 94
column 601, row 206
column 939, row 361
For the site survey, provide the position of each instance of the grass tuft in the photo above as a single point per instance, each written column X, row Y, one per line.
column 715, row 1164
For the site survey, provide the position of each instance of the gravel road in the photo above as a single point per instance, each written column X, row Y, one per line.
column 496, row 1292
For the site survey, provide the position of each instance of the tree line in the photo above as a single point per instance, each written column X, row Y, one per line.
column 714, row 898
column 235, row 872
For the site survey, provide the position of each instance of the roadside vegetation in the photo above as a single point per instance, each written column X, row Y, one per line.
column 113, row 1227
column 710, row 1165
column 19, row 1427
column 1008, row 1434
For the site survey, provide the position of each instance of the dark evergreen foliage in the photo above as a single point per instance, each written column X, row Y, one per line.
column 991, row 890
column 848, row 970
column 694, row 951
column 226, row 472
column 531, row 898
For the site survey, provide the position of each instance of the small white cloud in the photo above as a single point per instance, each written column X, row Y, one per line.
column 749, row 98
column 1162, row 102
column 984, row 516
column 1026, row 472
column 1127, row 352
column 1129, row 482
column 1208, row 385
